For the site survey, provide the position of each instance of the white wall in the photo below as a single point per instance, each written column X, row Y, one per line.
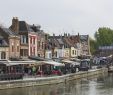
column 61, row 52
column 48, row 54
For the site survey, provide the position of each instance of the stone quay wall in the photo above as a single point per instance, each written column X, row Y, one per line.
column 26, row 82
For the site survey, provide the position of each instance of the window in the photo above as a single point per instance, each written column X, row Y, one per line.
column 38, row 55
column 1, row 42
column 30, row 50
column 50, row 55
column 12, row 48
column 21, row 52
column 23, row 39
column 56, row 54
column 73, row 52
column 65, row 46
column 39, row 44
column 34, row 50
column 48, row 47
column 24, row 52
column 31, row 40
column 42, row 45
column 3, row 55
column 34, row 40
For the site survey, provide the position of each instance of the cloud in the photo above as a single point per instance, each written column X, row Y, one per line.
column 58, row 16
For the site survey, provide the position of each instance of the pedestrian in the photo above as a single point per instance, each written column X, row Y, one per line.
column 33, row 70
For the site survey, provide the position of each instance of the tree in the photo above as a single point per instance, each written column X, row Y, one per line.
column 104, row 36
column 93, row 46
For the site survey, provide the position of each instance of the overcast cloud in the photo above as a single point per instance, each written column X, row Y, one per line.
column 59, row 16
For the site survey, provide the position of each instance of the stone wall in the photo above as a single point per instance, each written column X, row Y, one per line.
column 49, row 80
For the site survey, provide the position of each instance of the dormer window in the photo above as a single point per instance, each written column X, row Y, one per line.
column 65, row 46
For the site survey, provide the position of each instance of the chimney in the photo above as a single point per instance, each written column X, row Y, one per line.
column 53, row 34
column 46, row 36
column 78, row 37
column 64, row 34
column 68, row 34
column 78, row 34
column 15, row 24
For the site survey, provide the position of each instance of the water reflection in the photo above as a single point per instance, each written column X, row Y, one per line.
column 98, row 85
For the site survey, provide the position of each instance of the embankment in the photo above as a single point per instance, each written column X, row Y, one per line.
column 49, row 80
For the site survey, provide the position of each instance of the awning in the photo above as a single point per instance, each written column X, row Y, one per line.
column 71, row 62
column 37, row 58
column 3, row 62
column 53, row 63
column 38, row 63
column 67, row 61
column 20, row 62
column 76, row 63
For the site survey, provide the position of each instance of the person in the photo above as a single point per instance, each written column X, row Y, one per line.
column 33, row 70
column 29, row 71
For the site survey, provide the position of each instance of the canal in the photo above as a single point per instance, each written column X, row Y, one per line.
column 96, row 85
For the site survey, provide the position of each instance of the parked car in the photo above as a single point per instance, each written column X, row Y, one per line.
column 84, row 65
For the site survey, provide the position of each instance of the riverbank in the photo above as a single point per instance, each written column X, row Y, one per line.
column 25, row 82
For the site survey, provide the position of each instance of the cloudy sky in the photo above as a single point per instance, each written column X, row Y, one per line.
column 59, row 16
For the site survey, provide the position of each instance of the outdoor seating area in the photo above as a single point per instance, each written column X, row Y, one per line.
column 18, row 69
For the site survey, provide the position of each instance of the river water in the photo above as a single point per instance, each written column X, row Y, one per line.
column 96, row 85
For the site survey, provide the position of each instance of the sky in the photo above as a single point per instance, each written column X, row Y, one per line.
column 59, row 16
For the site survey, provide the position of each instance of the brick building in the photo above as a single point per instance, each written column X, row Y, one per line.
column 10, row 44
column 28, row 34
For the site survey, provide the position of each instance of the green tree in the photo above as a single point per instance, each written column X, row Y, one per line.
column 93, row 46
column 104, row 36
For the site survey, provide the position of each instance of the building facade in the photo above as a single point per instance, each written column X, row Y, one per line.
column 32, row 39
column 4, row 52
column 21, row 28
column 14, row 47
column 85, row 45
column 73, row 52
column 41, row 45
column 10, row 44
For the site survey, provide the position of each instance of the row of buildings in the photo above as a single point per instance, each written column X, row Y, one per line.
column 22, row 40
